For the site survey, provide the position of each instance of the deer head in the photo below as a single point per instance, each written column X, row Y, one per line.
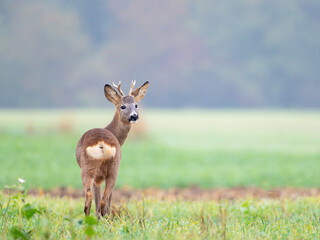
column 126, row 105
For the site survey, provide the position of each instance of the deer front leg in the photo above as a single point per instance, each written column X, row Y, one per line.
column 87, row 182
column 106, row 199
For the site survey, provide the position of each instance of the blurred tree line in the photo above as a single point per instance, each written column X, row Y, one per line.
column 210, row 53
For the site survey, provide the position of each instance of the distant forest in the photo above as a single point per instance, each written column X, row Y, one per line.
column 207, row 54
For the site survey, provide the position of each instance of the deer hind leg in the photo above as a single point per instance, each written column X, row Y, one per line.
column 105, row 205
column 97, row 198
column 108, row 208
column 106, row 199
column 87, row 186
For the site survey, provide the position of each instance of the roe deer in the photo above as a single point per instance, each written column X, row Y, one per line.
column 98, row 151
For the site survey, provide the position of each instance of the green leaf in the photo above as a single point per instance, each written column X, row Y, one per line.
column 19, row 234
column 90, row 220
column 28, row 211
column 90, row 232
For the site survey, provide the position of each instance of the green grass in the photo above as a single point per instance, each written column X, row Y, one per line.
column 51, row 218
column 177, row 148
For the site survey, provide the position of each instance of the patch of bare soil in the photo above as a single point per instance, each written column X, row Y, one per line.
column 190, row 193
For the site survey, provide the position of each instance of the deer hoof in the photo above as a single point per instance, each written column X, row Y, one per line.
column 86, row 211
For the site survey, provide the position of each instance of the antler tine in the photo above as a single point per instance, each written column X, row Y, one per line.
column 118, row 87
column 132, row 86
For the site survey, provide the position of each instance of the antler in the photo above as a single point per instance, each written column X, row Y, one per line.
column 118, row 87
column 132, row 86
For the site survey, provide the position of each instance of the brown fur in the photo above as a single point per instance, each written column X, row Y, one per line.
column 95, row 170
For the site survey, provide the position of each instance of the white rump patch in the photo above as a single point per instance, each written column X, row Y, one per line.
column 101, row 151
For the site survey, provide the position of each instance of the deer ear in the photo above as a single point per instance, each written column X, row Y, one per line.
column 139, row 93
column 111, row 94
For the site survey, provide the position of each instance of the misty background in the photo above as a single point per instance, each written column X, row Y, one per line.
column 209, row 53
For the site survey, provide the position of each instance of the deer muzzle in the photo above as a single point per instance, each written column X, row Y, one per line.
column 133, row 117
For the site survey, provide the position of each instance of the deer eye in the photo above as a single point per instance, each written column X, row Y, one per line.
column 123, row 107
column 136, row 106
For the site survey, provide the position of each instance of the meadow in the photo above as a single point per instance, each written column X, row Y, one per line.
column 25, row 217
column 265, row 149
column 169, row 148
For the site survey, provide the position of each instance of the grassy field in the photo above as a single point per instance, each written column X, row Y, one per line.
column 25, row 217
column 169, row 148
column 210, row 149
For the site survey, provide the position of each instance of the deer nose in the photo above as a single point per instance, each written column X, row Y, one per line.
column 133, row 117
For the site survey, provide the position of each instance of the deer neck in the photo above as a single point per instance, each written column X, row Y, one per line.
column 119, row 128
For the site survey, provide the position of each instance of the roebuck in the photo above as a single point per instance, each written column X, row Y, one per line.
column 98, row 151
